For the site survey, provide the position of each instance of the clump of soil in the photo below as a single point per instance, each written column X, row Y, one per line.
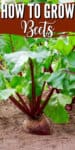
column 13, row 136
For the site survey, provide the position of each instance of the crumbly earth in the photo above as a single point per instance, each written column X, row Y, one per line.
column 13, row 136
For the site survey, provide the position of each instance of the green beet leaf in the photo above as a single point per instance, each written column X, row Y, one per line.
column 2, row 81
column 4, row 94
column 55, row 109
column 56, row 79
column 18, row 59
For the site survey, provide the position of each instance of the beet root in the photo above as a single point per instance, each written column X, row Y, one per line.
column 41, row 126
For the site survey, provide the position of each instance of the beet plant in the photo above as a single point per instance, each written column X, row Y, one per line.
column 24, row 82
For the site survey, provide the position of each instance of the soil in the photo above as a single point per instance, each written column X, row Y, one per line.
column 13, row 136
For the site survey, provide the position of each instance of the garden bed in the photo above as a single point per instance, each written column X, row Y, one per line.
column 13, row 136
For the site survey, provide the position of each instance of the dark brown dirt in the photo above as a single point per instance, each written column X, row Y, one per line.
column 13, row 137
